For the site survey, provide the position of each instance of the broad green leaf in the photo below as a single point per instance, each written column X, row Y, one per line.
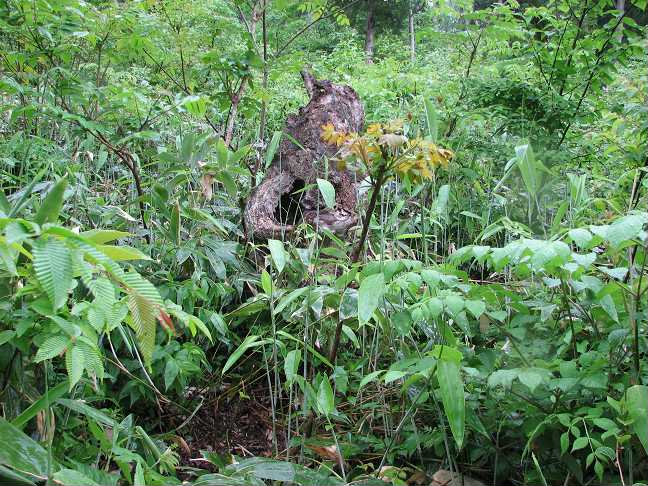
column 6, row 336
column 51, row 207
column 278, row 253
column 266, row 283
column 275, row 470
column 291, row 365
column 144, row 303
column 373, row 376
column 476, row 307
column 637, row 403
column 83, row 408
column 22, row 453
column 101, row 237
column 626, row 228
column 171, row 371
column 328, row 192
column 291, row 297
column 51, row 347
column 348, row 332
column 452, row 396
column 75, row 364
column 41, row 404
column 455, row 304
column 581, row 237
column 580, row 443
column 607, row 302
column 53, row 267
column 122, row 253
column 325, row 398
column 371, row 292
column 70, row 477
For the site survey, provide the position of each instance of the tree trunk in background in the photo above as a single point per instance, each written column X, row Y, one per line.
column 412, row 37
column 369, row 39
column 620, row 5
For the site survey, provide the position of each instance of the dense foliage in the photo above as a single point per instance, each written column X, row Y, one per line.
column 488, row 315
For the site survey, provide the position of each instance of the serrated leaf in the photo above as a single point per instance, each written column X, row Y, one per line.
column 75, row 364
column 53, row 267
column 51, row 347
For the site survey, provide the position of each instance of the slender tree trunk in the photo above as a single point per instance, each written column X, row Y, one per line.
column 412, row 36
column 369, row 39
column 620, row 5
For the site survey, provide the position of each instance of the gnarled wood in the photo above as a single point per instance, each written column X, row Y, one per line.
column 296, row 166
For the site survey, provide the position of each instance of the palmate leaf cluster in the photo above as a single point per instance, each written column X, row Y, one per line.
column 385, row 148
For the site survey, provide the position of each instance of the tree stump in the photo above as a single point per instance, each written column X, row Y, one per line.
column 274, row 210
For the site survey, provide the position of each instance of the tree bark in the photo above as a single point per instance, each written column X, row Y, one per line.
column 274, row 209
column 369, row 38
column 412, row 36
column 620, row 6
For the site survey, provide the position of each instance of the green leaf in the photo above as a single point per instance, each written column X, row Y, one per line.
column 291, row 297
column 41, row 404
column 455, row 304
column 103, row 236
column 83, row 408
column 637, row 402
column 53, row 267
column 22, row 453
column 564, row 442
column 70, row 477
column 581, row 237
column 171, row 371
column 122, row 253
column 328, row 192
column 476, row 307
column 51, row 207
column 278, row 253
column 609, row 307
column 452, row 396
column 6, row 336
column 371, row 292
column 325, row 398
column 625, row 229
column 52, row 347
column 266, row 283
column 196, row 105
column 75, row 364
column 373, row 376
column 580, row 443
column 272, row 148
column 291, row 365
column 248, row 342
column 144, row 303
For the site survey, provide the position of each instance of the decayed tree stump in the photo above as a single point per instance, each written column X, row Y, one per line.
column 272, row 210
